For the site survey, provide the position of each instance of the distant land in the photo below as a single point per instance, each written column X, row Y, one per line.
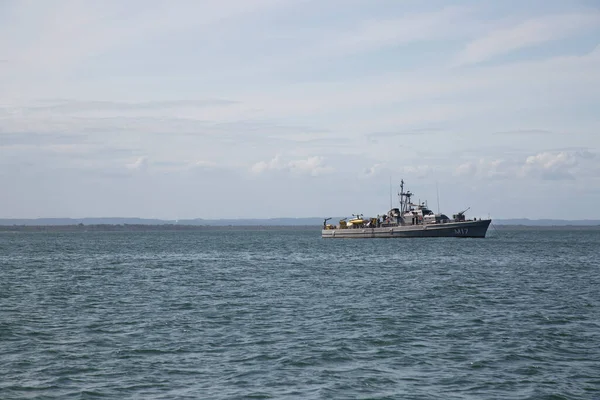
column 253, row 222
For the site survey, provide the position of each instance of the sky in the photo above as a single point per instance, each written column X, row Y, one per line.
column 298, row 108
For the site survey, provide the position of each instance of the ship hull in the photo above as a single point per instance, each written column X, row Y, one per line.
column 466, row 229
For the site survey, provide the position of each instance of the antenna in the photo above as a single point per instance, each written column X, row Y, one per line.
column 438, row 196
column 390, row 192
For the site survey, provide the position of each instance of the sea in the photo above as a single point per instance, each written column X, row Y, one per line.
column 265, row 313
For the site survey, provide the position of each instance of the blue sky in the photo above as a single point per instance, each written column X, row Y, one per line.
column 297, row 108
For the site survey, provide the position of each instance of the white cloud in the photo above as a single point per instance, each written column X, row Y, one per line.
column 377, row 33
column 466, row 169
column 359, row 35
column 487, row 169
column 263, row 166
column 561, row 165
column 140, row 164
column 371, row 171
column 549, row 165
column 420, row 171
column 426, row 96
column 204, row 164
column 526, row 34
column 45, row 43
column 314, row 166
column 550, row 160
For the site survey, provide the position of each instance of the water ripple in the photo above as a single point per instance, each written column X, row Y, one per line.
column 261, row 314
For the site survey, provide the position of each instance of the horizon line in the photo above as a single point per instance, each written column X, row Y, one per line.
column 5, row 221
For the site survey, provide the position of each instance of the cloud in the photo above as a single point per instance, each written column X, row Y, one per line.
column 358, row 33
column 527, row 34
column 525, row 132
column 466, row 169
column 560, row 165
column 204, row 164
column 87, row 29
column 431, row 97
column 419, row 171
column 166, row 138
column 487, row 169
column 140, row 164
column 39, row 139
column 377, row 33
column 184, row 166
column 548, row 165
column 313, row 166
column 371, row 171
column 75, row 106
column 263, row 166
column 374, row 136
column 52, row 152
column 176, row 121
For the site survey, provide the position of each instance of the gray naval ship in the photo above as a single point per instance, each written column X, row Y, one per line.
column 410, row 220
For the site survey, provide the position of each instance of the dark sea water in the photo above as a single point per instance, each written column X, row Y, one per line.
column 284, row 314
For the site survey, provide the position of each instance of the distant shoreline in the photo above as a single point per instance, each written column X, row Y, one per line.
column 146, row 228
column 200, row 222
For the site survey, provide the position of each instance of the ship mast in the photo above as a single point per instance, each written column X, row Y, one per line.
column 404, row 198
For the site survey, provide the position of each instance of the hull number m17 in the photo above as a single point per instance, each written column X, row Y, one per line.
column 461, row 231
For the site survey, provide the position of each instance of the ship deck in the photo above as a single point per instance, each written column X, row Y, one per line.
column 466, row 229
